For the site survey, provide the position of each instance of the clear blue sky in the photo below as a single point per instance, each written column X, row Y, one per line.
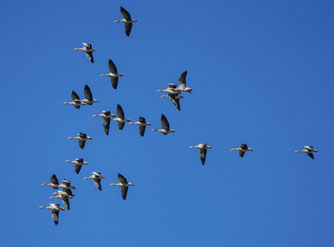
column 262, row 74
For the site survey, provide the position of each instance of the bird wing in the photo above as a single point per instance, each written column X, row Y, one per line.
column 182, row 80
column 122, row 179
column 89, row 46
column 75, row 96
column 142, row 120
column 88, row 93
column 89, row 55
column 164, row 122
column 142, row 129
column 114, row 81
column 54, row 179
column 112, row 67
column 171, row 85
column 311, row 155
column 77, row 168
column 241, row 153
column 55, row 216
column 175, row 101
column 125, row 14
column 243, row 146
column 128, row 27
column 120, row 112
column 97, row 183
column 121, row 125
column 202, row 155
column 68, row 191
column 106, row 125
column 66, row 202
column 82, row 144
column 124, row 191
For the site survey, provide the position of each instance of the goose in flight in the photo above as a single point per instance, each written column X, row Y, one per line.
column 88, row 100
column 87, row 48
column 242, row 149
column 127, row 21
column 121, row 120
column 175, row 98
column 142, row 125
column 54, row 182
column 67, row 187
column 203, row 148
column 55, row 208
column 96, row 176
column 123, row 183
column 172, row 89
column 309, row 150
column 164, row 126
column 182, row 83
column 64, row 197
column 76, row 102
column 79, row 162
column 106, row 116
column 113, row 74
column 82, row 138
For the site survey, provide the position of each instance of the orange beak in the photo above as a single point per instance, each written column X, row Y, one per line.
column 250, row 149
column 315, row 150
column 209, row 147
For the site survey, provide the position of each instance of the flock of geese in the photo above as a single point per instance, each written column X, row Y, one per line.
column 173, row 92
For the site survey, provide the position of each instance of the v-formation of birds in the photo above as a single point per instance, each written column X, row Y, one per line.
column 173, row 92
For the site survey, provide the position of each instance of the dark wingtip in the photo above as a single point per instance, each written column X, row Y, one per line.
column 56, row 223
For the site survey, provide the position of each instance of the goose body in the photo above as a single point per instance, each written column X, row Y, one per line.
column 88, row 49
column 55, row 208
column 106, row 117
column 242, row 149
column 82, row 138
column 172, row 89
column 202, row 151
column 142, row 125
column 120, row 119
column 124, row 184
column 96, row 176
column 164, row 126
column 79, row 162
column 127, row 20
column 113, row 74
column 76, row 102
column 309, row 150
column 88, row 100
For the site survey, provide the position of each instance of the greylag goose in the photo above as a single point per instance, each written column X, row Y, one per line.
column 113, row 74
column 82, row 138
column 88, row 96
column 96, row 176
column 67, row 187
column 127, row 21
column 164, row 126
column 309, row 150
column 121, row 120
column 106, row 116
column 175, row 99
column 242, row 149
column 182, row 83
column 203, row 148
column 172, row 89
column 55, row 208
column 64, row 198
column 87, row 48
column 76, row 102
column 123, row 183
column 78, row 164
column 54, row 182
column 142, row 125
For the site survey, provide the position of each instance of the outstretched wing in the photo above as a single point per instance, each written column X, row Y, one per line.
column 88, row 93
column 75, row 96
column 54, row 179
column 182, row 80
column 66, row 202
column 124, row 191
column 164, row 122
column 112, row 67
column 142, row 129
column 82, row 144
column 55, row 216
column 120, row 112
column 311, row 155
column 89, row 55
column 77, row 168
column 97, row 183
column 125, row 14
column 106, row 125
column 202, row 155
column 122, row 179
column 241, row 153
column 128, row 27
column 114, row 81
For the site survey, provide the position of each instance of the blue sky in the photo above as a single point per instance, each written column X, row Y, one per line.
column 261, row 73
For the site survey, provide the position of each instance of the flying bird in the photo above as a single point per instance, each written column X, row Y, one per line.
column 242, row 149
column 106, row 116
column 64, row 197
column 82, row 138
column 182, row 83
column 309, row 150
column 164, row 126
column 113, row 74
column 79, row 162
column 54, row 182
column 55, row 208
column 203, row 148
column 96, row 176
column 121, row 120
column 172, row 89
column 67, row 187
column 142, row 125
column 175, row 98
column 127, row 21
column 123, row 183
column 76, row 102
column 88, row 100
column 87, row 48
